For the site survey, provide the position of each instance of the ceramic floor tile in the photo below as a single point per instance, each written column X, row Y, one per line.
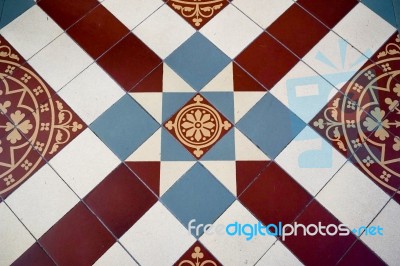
column 278, row 254
column 89, row 31
column 197, row 13
column 116, row 255
column 11, row 9
column 197, row 254
column 385, row 9
column 35, row 255
column 360, row 253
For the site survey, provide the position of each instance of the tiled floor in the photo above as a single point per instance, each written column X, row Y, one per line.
column 121, row 121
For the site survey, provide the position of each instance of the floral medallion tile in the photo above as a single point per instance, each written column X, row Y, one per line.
column 197, row 12
column 198, row 126
column 363, row 119
column 197, row 255
column 39, row 122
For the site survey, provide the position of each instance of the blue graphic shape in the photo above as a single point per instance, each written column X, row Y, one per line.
column 124, row 127
column 197, row 195
column 197, row 61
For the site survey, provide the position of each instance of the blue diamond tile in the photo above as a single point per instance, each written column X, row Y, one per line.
column 223, row 101
column 197, row 195
column 172, row 150
column 270, row 125
column 223, row 150
column 124, row 127
column 11, row 9
column 384, row 8
column 173, row 101
column 197, row 61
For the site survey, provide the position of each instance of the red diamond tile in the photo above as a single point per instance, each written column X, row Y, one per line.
column 197, row 12
column 149, row 172
column 66, row 12
column 129, row 61
column 77, row 239
column 329, row 12
column 198, row 126
column 98, row 31
column 197, row 254
column 360, row 254
column 266, row 60
column 298, row 30
column 275, row 197
column 34, row 256
column 326, row 250
column 120, row 200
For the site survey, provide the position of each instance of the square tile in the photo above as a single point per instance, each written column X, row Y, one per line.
column 293, row 25
column 197, row 61
column 49, row 195
column 77, row 239
column 235, row 249
column 34, row 25
column 345, row 197
column 84, row 163
column 131, row 13
column 275, row 197
column 120, row 200
column 129, row 61
column 270, row 125
column 89, row 31
column 91, row 93
column 15, row 236
column 197, row 195
column 124, row 127
column 229, row 27
column 150, row 233
column 170, row 29
column 263, row 12
column 60, row 61
column 66, row 12
column 116, row 255
column 260, row 59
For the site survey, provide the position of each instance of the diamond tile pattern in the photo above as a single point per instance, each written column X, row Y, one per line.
column 181, row 132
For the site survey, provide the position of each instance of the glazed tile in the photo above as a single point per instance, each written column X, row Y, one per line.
column 84, row 163
column 120, row 200
column 131, row 13
column 79, row 93
column 89, row 31
column 65, row 12
column 263, row 12
column 51, row 197
column 231, row 26
column 310, row 160
column 360, row 253
column 128, row 131
column 256, row 59
column 171, row 31
column 236, row 250
column 278, row 254
column 197, row 195
column 35, row 255
column 129, row 61
column 35, row 25
column 364, row 29
column 291, row 27
column 197, row 254
column 204, row 10
column 197, row 61
column 79, row 230
column 115, row 255
column 330, row 13
column 263, row 122
column 60, row 61
column 11, row 9
column 14, row 234
column 383, row 246
column 150, row 233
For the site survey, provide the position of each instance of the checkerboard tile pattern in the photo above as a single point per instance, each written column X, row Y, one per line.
column 140, row 132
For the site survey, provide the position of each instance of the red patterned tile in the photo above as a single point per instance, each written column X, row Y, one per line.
column 198, row 126
column 329, row 12
column 326, row 250
column 148, row 172
column 360, row 254
column 298, row 30
column 120, row 200
column 66, row 12
column 243, row 81
column 266, row 60
column 197, row 254
column 197, row 12
column 129, row 61
column 246, row 172
column 275, row 197
column 77, row 239
column 34, row 256
column 98, row 31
